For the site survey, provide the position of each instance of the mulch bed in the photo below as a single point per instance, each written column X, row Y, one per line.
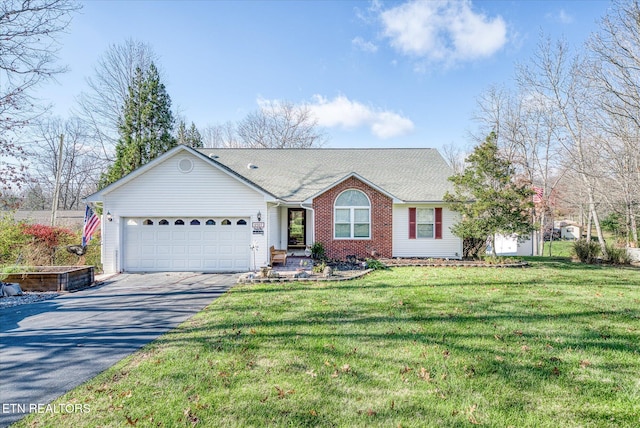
column 397, row 262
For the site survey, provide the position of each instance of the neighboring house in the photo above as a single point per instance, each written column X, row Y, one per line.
column 218, row 210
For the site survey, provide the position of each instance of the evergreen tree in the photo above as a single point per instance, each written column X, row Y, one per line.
column 194, row 138
column 189, row 137
column 488, row 197
column 145, row 127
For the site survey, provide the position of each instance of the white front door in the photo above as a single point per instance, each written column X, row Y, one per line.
column 156, row 244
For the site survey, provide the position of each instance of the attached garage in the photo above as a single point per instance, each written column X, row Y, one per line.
column 207, row 244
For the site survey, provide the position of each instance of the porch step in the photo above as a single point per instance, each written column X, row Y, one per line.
column 294, row 263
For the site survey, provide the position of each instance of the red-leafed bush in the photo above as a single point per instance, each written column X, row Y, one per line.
column 48, row 235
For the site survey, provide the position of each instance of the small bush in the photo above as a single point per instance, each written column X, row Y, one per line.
column 586, row 251
column 317, row 251
column 375, row 264
column 498, row 260
column 617, row 256
column 11, row 239
column 319, row 268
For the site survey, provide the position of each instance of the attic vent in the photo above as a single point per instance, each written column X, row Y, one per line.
column 252, row 166
column 213, row 156
column 185, row 165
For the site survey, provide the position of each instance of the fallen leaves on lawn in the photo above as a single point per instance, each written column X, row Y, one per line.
column 282, row 393
column 132, row 422
column 585, row 363
column 425, row 375
column 472, row 417
column 190, row 416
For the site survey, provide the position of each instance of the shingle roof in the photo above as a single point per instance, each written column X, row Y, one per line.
column 411, row 175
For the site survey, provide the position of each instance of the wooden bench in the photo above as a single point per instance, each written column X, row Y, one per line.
column 278, row 256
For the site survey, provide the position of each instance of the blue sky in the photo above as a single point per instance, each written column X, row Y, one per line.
column 376, row 74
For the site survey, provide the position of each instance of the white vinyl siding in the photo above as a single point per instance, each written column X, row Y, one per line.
column 165, row 191
column 450, row 246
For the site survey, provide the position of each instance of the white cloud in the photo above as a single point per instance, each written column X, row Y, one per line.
column 446, row 31
column 345, row 113
column 561, row 17
column 364, row 45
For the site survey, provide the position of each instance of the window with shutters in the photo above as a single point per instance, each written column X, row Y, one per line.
column 425, row 223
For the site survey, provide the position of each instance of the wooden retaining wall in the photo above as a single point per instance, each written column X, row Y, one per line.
column 67, row 278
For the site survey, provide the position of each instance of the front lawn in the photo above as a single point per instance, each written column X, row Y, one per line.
column 556, row 344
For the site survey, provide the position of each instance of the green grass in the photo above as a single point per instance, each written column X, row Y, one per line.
column 553, row 345
column 559, row 248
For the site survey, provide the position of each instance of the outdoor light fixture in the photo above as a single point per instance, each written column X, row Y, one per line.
column 259, row 215
column 109, row 216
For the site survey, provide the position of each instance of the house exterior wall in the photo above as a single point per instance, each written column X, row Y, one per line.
column 381, row 240
column 165, row 190
column 450, row 246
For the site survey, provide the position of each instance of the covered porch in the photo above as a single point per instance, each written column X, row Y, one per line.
column 292, row 228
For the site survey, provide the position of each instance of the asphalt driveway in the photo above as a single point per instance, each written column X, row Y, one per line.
column 50, row 347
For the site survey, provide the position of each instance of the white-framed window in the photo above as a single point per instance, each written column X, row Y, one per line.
column 352, row 215
column 425, row 223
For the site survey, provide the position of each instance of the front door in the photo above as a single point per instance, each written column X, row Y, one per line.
column 296, row 228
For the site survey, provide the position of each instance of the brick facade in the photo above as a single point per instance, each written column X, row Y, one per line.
column 381, row 223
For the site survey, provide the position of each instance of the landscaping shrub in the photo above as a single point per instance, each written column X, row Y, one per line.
column 586, row 251
column 11, row 240
column 23, row 244
column 319, row 268
column 317, row 251
column 375, row 264
column 44, row 242
column 617, row 256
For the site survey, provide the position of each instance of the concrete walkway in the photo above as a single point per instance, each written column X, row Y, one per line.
column 50, row 347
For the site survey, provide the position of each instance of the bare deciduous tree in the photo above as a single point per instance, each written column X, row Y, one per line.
column 615, row 73
column 28, row 49
column 79, row 170
column 557, row 77
column 221, row 135
column 100, row 107
column 280, row 125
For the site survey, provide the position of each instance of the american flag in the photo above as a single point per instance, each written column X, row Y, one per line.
column 538, row 195
column 91, row 223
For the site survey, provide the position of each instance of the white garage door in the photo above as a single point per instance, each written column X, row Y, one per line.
column 186, row 244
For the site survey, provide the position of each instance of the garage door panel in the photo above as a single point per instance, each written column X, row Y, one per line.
column 179, row 235
column 150, row 246
column 163, row 235
column 210, row 250
column 194, row 235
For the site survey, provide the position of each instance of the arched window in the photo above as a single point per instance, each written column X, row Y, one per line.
column 179, row 222
column 210, row 222
column 241, row 223
column 148, row 222
column 226, row 222
column 352, row 215
column 195, row 222
column 163, row 222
